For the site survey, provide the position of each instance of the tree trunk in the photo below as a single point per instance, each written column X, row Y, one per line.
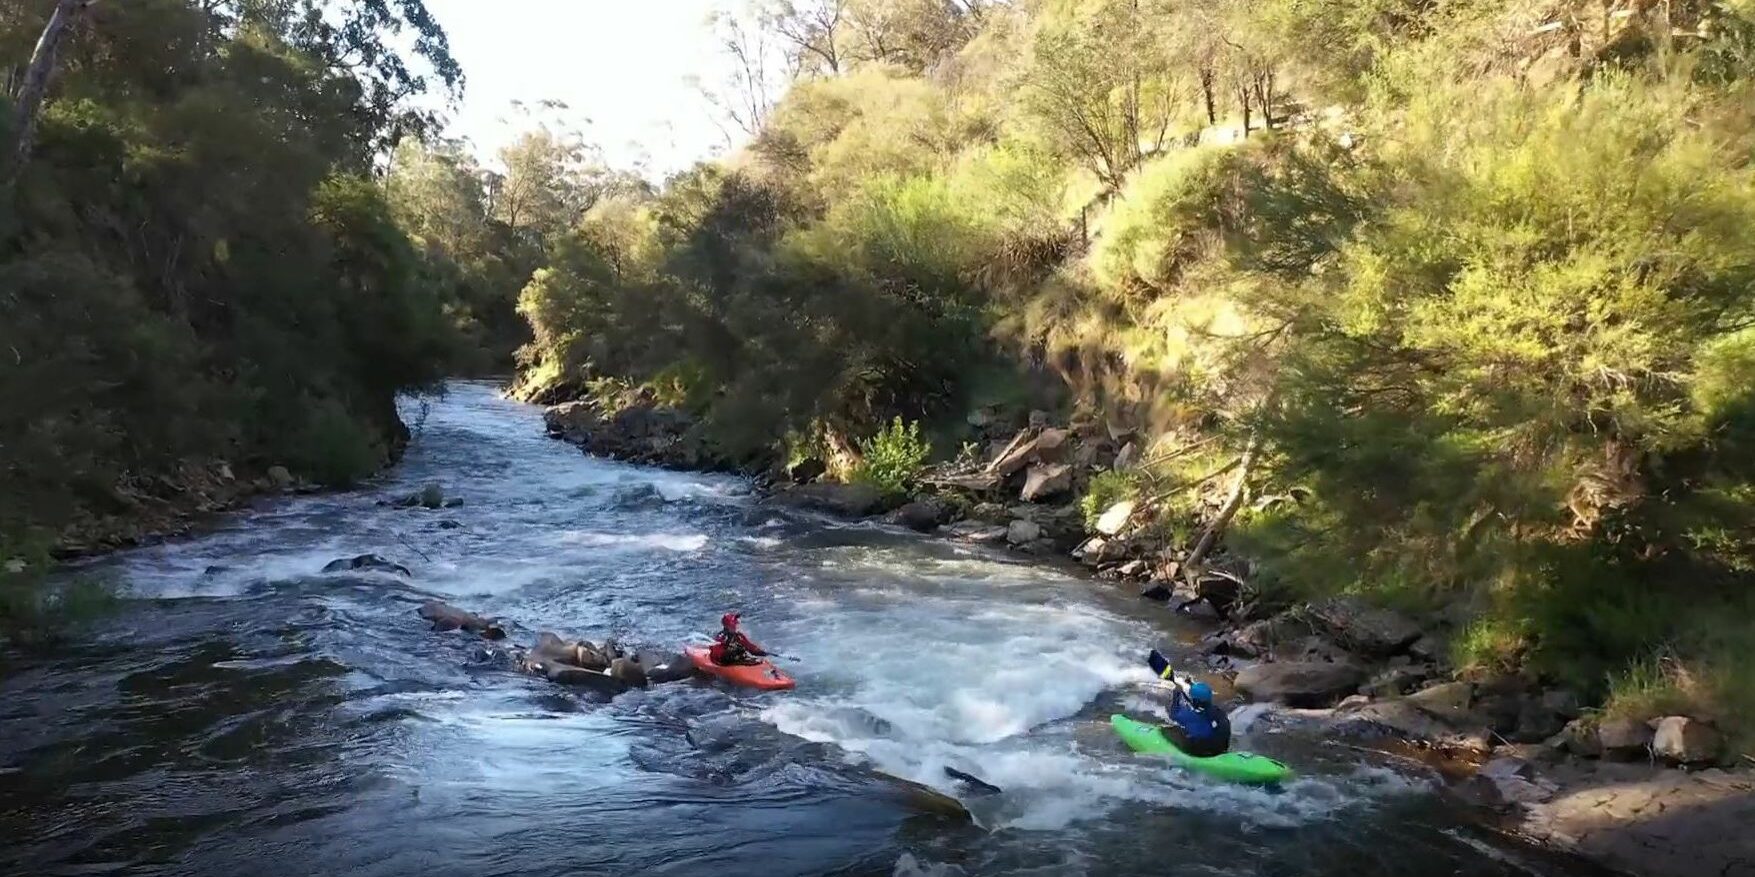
column 1243, row 98
column 1206, row 92
column 1210, row 536
column 37, row 76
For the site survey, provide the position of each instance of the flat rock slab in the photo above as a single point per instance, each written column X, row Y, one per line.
column 1364, row 628
column 1300, row 683
column 1652, row 822
column 846, row 500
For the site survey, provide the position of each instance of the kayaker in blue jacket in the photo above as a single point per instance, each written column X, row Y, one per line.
column 1197, row 726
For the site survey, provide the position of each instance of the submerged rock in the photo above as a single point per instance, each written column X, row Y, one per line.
column 976, row 532
column 921, row 515
column 371, row 562
column 447, row 617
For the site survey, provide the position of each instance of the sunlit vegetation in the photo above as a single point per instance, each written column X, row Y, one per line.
column 1460, row 293
column 196, row 262
column 1473, row 277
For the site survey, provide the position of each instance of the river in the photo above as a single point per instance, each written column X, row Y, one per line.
column 244, row 714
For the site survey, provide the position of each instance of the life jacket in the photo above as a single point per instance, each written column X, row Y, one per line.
column 1201, row 722
column 733, row 643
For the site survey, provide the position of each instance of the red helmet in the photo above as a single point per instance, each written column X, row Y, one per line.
column 729, row 622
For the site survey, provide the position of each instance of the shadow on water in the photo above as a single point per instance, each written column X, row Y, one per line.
column 246, row 714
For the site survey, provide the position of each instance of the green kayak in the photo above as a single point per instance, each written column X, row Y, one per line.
column 1238, row 767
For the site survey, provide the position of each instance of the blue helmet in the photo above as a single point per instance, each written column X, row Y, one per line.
column 1200, row 693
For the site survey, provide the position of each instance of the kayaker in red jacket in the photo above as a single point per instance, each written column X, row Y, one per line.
column 731, row 646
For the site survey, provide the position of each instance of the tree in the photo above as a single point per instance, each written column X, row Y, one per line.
column 230, row 285
column 551, row 180
column 355, row 38
column 439, row 193
column 754, row 78
column 914, row 34
column 34, row 86
column 1100, row 88
column 814, row 32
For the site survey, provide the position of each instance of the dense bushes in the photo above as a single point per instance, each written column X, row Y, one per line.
column 1485, row 321
column 195, row 264
column 892, row 459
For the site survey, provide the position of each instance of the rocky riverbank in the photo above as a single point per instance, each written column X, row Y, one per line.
column 1654, row 798
column 142, row 508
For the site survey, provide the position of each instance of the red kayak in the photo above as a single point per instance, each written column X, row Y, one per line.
column 764, row 675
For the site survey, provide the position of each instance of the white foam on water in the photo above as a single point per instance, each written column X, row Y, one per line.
column 908, row 866
column 1244, row 717
column 914, row 674
column 678, row 542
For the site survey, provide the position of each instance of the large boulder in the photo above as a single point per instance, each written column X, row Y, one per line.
column 1683, row 740
column 1395, row 717
column 1115, row 518
column 1052, row 445
column 1311, row 648
column 1097, row 551
column 1429, row 648
column 1300, row 684
column 1624, row 739
column 846, row 500
column 662, row 667
column 1448, row 701
column 582, row 653
column 1578, row 737
column 806, row 470
column 575, row 422
column 1260, row 637
column 1363, row 628
column 1540, row 718
column 1514, row 781
column 1046, row 480
column 1127, row 457
column 1022, row 532
column 1400, row 719
column 1395, row 681
column 1017, row 454
column 922, row 515
column 280, row 476
column 629, row 671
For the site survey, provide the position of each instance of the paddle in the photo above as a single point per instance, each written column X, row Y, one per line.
column 1161, row 666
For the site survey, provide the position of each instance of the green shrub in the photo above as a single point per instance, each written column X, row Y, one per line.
column 1650, row 687
column 1107, row 488
column 334, row 449
column 1164, row 219
column 893, row 458
column 1490, row 646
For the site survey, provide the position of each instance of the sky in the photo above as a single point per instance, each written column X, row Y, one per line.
column 624, row 65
